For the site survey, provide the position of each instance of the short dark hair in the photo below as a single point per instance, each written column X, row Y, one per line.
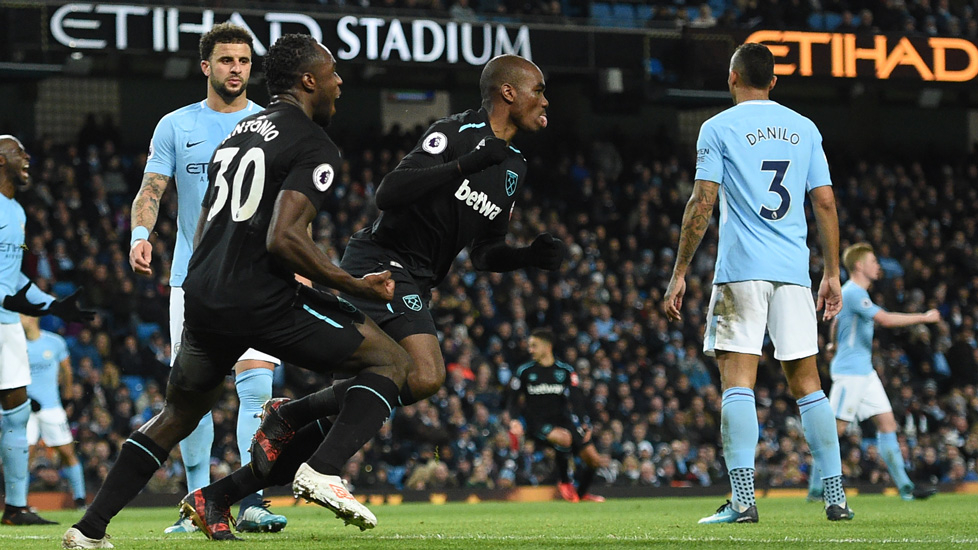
column 287, row 59
column 544, row 334
column 755, row 64
column 224, row 33
column 502, row 69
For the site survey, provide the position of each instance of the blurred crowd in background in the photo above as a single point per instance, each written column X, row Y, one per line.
column 910, row 17
column 653, row 396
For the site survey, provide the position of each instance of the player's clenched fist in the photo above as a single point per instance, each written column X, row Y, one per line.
column 376, row 286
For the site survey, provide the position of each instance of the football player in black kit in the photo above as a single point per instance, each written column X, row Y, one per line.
column 555, row 412
column 455, row 189
column 267, row 182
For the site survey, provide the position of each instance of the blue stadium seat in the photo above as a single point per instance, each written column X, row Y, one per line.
column 624, row 15
column 569, row 9
column 816, row 21
column 600, row 14
column 643, row 12
column 718, row 7
column 833, row 20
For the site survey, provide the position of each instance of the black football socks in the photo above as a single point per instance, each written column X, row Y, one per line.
column 139, row 459
column 326, row 402
column 243, row 482
column 370, row 399
column 584, row 479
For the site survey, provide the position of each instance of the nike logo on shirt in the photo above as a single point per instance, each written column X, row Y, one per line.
column 189, row 145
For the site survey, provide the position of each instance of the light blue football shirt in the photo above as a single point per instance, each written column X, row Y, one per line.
column 182, row 146
column 766, row 159
column 12, row 221
column 45, row 355
column 854, row 332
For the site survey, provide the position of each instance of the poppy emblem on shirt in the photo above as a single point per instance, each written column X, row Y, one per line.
column 322, row 176
column 435, row 143
column 413, row 302
column 511, row 181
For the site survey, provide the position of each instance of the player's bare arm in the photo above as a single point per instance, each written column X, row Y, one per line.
column 833, row 328
column 145, row 211
column 288, row 239
column 696, row 218
column 890, row 319
column 827, row 221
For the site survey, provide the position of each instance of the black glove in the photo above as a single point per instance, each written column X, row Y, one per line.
column 546, row 252
column 18, row 302
column 67, row 308
column 492, row 152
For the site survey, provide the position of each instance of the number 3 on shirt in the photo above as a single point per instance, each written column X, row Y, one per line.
column 241, row 210
column 779, row 167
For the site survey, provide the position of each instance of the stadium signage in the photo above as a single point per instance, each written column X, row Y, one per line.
column 90, row 26
column 845, row 55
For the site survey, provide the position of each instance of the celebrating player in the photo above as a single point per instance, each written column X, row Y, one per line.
column 455, row 189
column 267, row 181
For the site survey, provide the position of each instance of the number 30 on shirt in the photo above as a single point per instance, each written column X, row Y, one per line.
column 242, row 208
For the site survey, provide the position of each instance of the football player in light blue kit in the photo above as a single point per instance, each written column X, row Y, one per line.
column 857, row 392
column 181, row 150
column 18, row 295
column 762, row 159
column 48, row 356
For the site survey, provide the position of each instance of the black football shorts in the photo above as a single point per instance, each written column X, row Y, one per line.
column 407, row 314
column 323, row 334
column 540, row 429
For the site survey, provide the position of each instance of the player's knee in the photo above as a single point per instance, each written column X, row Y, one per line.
column 427, row 377
column 180, row 421
column 801, row 385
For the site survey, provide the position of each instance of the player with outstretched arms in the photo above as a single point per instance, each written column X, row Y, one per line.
column 857, row 392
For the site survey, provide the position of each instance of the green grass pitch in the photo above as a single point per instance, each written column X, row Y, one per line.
column 945, row 521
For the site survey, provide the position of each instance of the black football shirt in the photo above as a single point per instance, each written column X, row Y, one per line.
column 429, row 233
column 547, row 390
column 234, row 285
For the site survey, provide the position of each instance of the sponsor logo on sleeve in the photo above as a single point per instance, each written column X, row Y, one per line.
column 435, row 143
column 322, row 176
